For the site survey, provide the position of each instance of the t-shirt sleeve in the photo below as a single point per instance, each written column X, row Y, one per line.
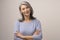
column 16, row 25
column 38, row 27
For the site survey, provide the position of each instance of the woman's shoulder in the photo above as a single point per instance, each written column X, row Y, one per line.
column 37, row 20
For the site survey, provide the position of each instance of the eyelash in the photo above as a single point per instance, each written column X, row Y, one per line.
column 24, row 8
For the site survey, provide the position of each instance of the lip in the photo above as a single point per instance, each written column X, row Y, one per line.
column 26, row 13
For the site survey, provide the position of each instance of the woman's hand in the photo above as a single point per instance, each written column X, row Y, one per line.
column 18, row 34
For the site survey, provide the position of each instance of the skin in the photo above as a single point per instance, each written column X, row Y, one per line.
column 26, row 12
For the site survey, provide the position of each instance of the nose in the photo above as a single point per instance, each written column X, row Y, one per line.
column 25, row 9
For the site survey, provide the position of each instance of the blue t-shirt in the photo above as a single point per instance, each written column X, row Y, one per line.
column 28, row 28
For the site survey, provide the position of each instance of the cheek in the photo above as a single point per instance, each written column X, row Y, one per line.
column 29, row 10
column 22, row 11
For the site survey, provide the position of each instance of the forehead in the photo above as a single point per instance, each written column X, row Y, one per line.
column 24, row 5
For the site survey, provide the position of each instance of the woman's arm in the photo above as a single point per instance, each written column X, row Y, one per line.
column 31, row 37
column 18, row 34
column 27, row 37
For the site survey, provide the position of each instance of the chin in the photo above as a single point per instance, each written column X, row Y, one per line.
column 26, row 15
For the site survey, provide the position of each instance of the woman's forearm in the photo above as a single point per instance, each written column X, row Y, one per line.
column 27, row 37
column 24, row 37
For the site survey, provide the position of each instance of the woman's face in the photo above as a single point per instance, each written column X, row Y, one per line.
column 25, row 10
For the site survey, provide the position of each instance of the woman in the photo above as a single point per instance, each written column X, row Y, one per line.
column 29, row 28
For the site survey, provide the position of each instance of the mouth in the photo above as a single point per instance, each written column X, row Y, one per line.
column 27, row 12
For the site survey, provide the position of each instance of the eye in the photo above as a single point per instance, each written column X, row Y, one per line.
column 27, row 7
column 23, row 8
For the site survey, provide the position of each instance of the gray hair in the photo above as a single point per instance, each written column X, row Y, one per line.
column 27, row 4
column 31, row 10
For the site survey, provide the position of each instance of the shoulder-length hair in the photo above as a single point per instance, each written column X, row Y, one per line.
column 31, row 11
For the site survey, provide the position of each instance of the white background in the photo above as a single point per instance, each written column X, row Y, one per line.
column 47, row 11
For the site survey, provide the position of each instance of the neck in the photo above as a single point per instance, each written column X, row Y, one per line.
column 27, row 18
